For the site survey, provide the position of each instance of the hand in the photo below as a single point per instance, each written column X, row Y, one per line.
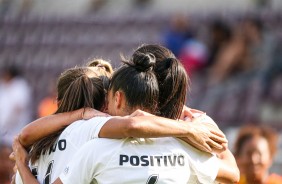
column 89, row 113
column 189, row 114
column 139, row 112
column 12, row 156
column 206, row 137
column 20, row 154
column 13, row 181
column 15, row 169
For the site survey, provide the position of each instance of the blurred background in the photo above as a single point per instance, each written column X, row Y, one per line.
column 232, row 51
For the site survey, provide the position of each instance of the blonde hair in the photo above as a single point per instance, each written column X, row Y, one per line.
column 101, row 66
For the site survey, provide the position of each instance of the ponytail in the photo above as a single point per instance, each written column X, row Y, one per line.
column 77, row 88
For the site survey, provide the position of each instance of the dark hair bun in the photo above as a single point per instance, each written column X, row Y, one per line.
column 143, row 62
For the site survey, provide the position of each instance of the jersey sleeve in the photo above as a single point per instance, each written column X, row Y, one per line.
column 18, row 179
column 208, row 119
column 99, row 123
column 80, row 169
column 204, row 167
column 203, row 118
column 87, row 130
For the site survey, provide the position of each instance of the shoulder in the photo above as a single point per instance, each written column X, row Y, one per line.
column 73, row 126
column 85, row 124
column 100, row 149
column 99, row 119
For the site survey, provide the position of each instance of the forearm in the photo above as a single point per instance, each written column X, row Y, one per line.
column 228, row 158
column 202, row 136
column 26, row 174
column 158, row 127
column 228, row 172
column 47, row 125
column 145, row 127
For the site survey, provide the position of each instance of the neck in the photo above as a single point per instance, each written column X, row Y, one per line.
column 140, row 108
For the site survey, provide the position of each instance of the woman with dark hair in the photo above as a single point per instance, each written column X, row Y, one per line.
column 172, row 80
column 255, row 148
column 174, row 84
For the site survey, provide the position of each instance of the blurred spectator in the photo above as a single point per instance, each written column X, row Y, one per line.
column 6, row 168
column 249, row 49
column 271, row 109
column 177, row 34
column 48, row 105
column 26, row 6
column 232, row 57
column 96, row 5
column 260, row 43
column 141, row 4
column 7, row 6
column 274, row 69
column 262, row 4
column 193, row 55
column 15, row 96
column 255, row 148
column 220, row 35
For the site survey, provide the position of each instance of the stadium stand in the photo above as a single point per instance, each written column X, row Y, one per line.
column 45, row 46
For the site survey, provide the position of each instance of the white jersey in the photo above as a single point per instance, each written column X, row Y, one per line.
column 140, row 161
column 49, row 166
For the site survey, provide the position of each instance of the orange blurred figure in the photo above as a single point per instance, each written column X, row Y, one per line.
column 255, row 148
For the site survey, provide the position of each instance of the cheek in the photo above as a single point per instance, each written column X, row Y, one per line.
column 266, row 160
column 245, row 160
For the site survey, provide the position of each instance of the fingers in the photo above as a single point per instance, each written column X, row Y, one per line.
column 15, row 168
column 214, row 144
column 12, row 156
column 207, row 148
column 13, row 181
column 196, row 111
column 139, row 112
column 218, row 135
column 218, row 139
column 186, row 114
column 203, row 147
column 200, row 144
column 89, row 113
column 225, row 146
column 16, row 144
column 135, row 113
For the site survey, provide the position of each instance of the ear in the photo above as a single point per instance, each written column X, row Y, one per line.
column 119, row 97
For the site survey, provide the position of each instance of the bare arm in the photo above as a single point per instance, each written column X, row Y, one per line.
column 45, row 126
column 26, row 174
column 120, row 127
column 21, row 158
column 228, row 170
column 199, row 135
